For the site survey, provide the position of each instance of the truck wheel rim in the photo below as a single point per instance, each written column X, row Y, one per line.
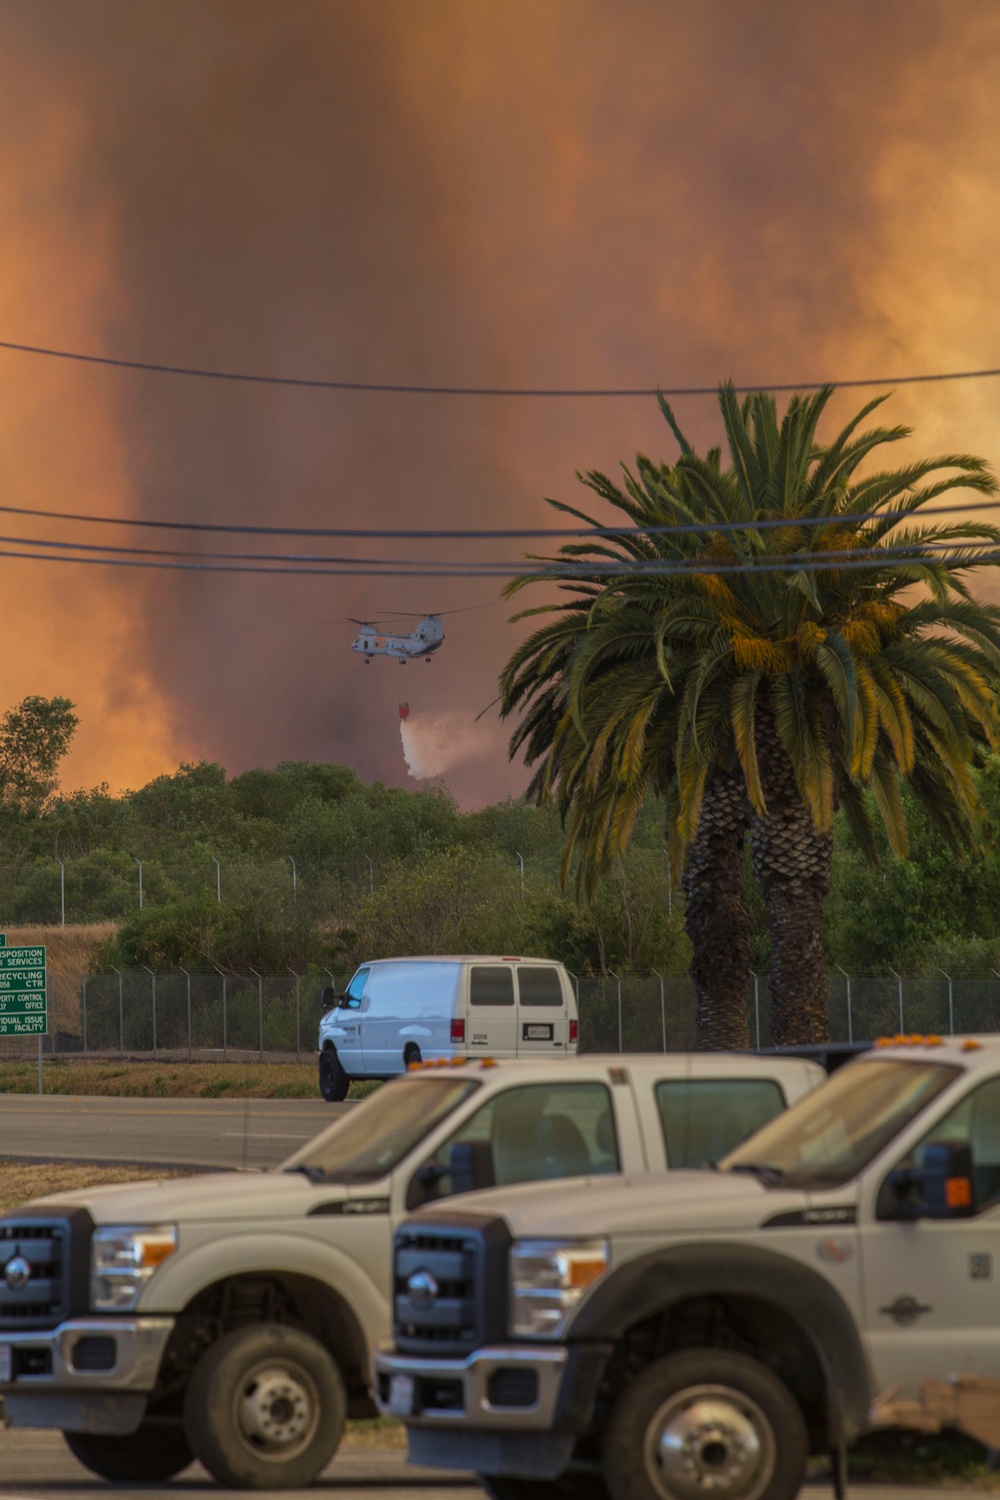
column 277, row 1410
column 709, row 1440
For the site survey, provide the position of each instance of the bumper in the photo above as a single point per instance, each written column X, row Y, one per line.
column 93, row 1358
column 462, row 1392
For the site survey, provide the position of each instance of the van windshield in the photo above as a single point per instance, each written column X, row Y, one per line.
column 827, row 1137
column 376, row 1134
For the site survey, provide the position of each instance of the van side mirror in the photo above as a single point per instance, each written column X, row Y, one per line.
column 329, row 997
column 943, row 1188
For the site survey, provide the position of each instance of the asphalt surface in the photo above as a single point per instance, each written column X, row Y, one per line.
column 171, row 1132
column 38, row 1466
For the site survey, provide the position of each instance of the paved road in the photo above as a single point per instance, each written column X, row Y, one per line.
column 179, row 1132
column 39, row 1466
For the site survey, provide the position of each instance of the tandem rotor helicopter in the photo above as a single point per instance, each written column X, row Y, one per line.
column 371, row 640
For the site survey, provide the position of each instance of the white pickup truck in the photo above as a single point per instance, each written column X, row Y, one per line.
column 666, row 1338
column 231, row 1316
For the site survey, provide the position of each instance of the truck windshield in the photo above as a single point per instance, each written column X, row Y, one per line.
column 377, row 1133
column 828, row 1137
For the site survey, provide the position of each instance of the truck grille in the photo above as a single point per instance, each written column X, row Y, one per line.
column 450, row 1284
column 44, row 1264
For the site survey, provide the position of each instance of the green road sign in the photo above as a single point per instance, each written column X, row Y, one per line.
column 23, row 991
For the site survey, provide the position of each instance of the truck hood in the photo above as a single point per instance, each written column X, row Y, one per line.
column 211, row 1196
column 656, row 1203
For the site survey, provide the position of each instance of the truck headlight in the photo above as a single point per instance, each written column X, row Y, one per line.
column 547, row 1280
column 123, row 1258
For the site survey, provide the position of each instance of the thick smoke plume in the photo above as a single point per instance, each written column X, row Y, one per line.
column 568, row 192
column 436, row 743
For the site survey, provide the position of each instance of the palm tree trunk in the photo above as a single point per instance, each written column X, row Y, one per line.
column 792, row 862
column 716, row 919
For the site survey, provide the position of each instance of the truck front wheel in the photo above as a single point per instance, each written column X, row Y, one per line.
column 265, row 1408
column 151, row 1455
column 705, row 1422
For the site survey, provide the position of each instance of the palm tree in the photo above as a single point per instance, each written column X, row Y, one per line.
column 796, row 647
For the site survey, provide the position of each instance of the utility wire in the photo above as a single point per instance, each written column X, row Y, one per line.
column 535, row 534
column 398, row 389
column 499, row 566
column 581, row 571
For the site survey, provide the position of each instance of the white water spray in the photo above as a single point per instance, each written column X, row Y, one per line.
column 433, row 743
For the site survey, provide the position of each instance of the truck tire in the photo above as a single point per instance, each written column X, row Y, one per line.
column 265, row 1408
column 568, row 1487
column 705, row 1421
column 333, row 1081
column 151, row 1455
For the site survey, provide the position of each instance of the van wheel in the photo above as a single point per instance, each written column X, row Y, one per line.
column 333, row 1081
column 705, row 1421
column 265, row 1408
column 569, row 1487
column 412, row 1055
column 151, row 1455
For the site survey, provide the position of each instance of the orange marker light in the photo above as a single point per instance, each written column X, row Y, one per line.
column 487, row 1062
column 971, row 1045
column 958, row 1192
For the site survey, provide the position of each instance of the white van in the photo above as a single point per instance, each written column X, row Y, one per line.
column 398, row 1011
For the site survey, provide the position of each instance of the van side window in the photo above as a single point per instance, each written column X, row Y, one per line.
column 491, row 984
column 703, row 1118
column 536, row 1132
column 355, row 992
column 539, row 986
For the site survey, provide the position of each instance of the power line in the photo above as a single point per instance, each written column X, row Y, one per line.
column 580, row 571
column 380, row 388
column 526, row 534
column 501, row 567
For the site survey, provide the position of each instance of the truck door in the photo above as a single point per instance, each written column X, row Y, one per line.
column 542, row 1026
column 932, row 1286
column 489, row 1029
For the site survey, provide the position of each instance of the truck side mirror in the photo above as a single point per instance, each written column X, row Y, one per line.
column 942, row 1188
column 329, row 997
column 471, row 1166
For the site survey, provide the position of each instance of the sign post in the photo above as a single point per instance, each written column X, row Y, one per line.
column 24, row 995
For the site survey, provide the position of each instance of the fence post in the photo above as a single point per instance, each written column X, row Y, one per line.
column 617, row 980
column 260, row 1016
column 663, row 1008
column 83, row 1006
column 756, row 1005
column 225, row 1037
column 121, row 1012
column 951, row 1005
column 153, row 979
column 298, row 1049
column 187, row 976
column 850, row 1021
column 899, row 985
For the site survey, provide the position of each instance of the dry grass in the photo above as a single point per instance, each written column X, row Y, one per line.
column 69, row 948
column 168, row 1080
column 21, row 1181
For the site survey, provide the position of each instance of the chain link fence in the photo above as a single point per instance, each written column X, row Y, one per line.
column 241, row 1016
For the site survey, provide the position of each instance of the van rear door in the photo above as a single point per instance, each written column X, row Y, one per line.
column 492, row 1014
column 542, row 1025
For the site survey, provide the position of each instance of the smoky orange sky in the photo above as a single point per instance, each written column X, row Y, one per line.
column 539, row 192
